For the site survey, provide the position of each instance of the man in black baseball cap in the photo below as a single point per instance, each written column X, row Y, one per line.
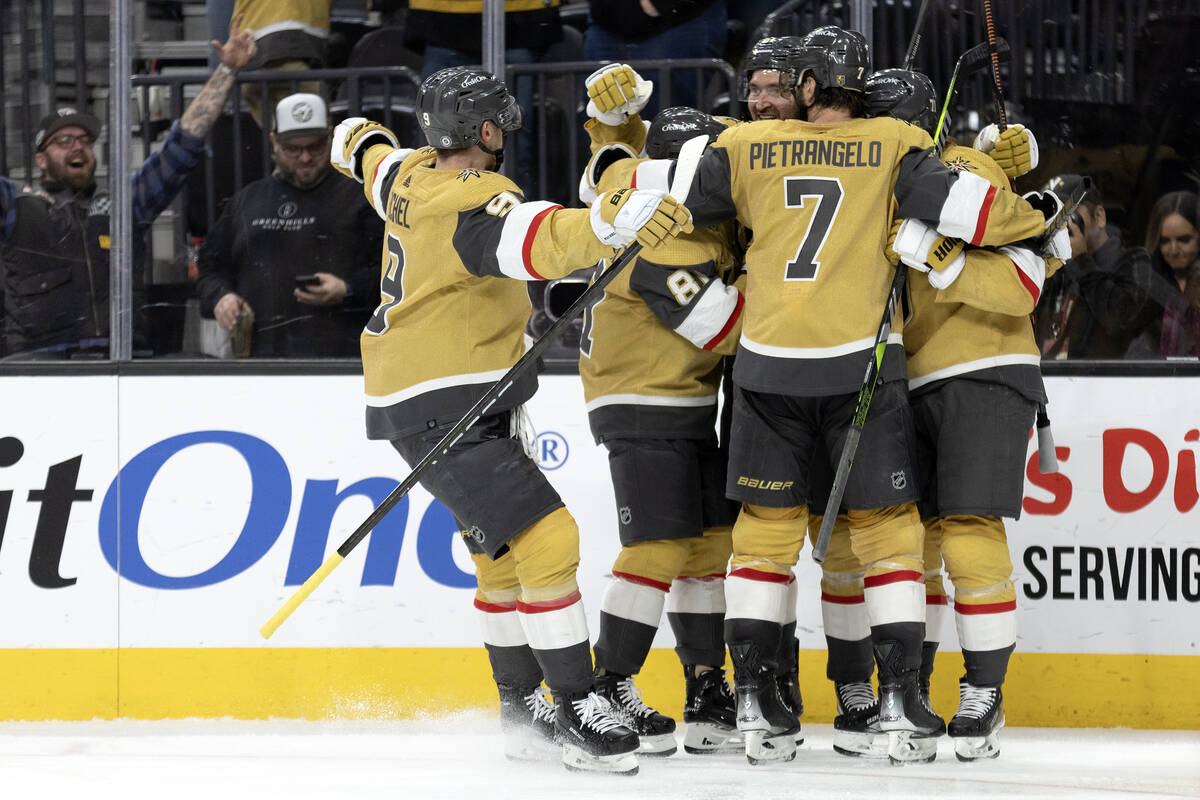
column 64, row 141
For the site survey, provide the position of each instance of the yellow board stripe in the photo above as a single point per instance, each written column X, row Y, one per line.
column 1043, row 689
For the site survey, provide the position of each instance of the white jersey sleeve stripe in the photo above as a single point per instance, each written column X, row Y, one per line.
column 710, row 315
column 513, row 253
column 381, row 172
column 1031, row 269
column 969, row 199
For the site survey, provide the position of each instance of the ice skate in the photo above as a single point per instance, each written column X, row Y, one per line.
column 902, row 713
column 766, row 723
column 592, row 737
column 789, row 692
column 709, row 714
column 655, row 731
column 852, row 734
column 977, row 722
column 527, row 721
column 911, row 749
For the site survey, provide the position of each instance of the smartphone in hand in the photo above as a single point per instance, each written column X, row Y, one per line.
column 307, row 281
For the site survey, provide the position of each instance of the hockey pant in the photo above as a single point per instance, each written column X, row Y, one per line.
column 687, row 576
column 766, row 545
column 531, row 611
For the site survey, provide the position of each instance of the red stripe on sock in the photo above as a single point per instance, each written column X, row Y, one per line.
column 542, row 606
column 936, row 600
column 757, row 575
column 495, row 608
column 642, row 581
column 891, row 577
column 841, row 600
column 985, row 608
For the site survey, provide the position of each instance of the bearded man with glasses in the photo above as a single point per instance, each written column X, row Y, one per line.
column 54, row 234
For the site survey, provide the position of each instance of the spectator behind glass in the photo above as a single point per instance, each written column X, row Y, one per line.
column 451, row 36
column 1173, row 284
column 291, row 35
column 627, row 30
column 295, row 255
column 54, row 236
column 1096, row 304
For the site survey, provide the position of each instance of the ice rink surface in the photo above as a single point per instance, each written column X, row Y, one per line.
column 460, row 757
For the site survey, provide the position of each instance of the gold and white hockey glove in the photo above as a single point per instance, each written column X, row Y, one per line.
column 921, row 247
column 616, row 92
column 352, row 138
column 1015, row 150
column 649, row 216
column 1050, row 204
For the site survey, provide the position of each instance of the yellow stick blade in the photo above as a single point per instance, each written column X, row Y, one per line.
column 303, row 592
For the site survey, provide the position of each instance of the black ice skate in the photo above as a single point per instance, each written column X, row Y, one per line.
column 766, row 723
column 709, row 714
column 902, row 713
column 975, row 725
column 527, row 721
column 592, row 737
column 655, row 731
column 856, row 709
column 789, row 692
column 913, row 749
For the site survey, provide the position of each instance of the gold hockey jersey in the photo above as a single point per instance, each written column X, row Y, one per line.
column 448, row 325
column 820, row 198
column 651, row 348
column 979, row 326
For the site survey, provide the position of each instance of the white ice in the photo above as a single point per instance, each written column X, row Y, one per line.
column 460, row 757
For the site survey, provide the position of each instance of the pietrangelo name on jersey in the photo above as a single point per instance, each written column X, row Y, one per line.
column 815, row 152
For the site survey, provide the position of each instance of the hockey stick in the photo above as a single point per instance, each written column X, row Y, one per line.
column 910, row 55
column 854, row 433
column 689, row 157
column 971, row 60
column 994, row 56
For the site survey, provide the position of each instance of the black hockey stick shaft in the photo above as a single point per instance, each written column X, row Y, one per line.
column 862, row 406
column 989, row 23
column 910, row 55
column 481, row 407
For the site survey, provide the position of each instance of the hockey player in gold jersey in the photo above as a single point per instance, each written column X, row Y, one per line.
column 975, row 381
column 449, row 326
column 651, row 364
column 820, row 196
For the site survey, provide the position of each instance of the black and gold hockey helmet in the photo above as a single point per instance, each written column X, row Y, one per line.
column 837, row 57
column 453, row 103
column 674, row 126
column 905, row 95
column 777, row 53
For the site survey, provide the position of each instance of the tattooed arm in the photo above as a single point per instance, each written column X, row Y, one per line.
column 199, row 117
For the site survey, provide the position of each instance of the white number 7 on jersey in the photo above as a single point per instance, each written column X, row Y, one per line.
column 828, row 194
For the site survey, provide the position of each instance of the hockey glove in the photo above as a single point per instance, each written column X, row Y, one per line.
column 921, row 247
column 1058, row 246
column 616, row 92
column 352, row 138
column 1015, row 150
column 649, row 216
column 1049, row 204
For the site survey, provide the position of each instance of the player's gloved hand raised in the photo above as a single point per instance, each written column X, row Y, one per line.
column 1058, row 246
column 615, row 92
column 651, row 217
column 1015, row 149
column 352, row 138
column 921, row 247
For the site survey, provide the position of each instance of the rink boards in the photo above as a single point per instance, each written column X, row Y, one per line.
column 149, row 525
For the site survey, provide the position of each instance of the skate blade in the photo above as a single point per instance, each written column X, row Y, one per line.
column 764, row 748
column 577, row 760
column 529, row 746
column 659, row 746
column 906, row 748
column 860, row 745
column 975, row 748
column 706, row 738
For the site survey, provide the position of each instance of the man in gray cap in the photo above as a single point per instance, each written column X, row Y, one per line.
column 294, row 256
column 54, row 235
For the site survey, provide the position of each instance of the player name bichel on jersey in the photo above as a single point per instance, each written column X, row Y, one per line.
column 815, row 152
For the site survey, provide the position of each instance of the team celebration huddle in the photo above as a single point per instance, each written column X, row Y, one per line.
column 856, row 287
